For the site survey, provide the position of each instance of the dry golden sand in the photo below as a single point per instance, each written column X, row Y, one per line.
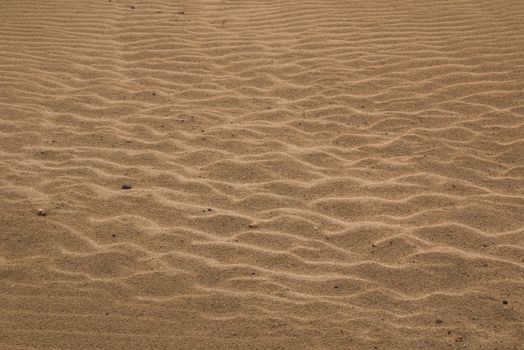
column 305, row 174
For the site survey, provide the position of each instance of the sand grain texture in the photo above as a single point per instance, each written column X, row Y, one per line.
column 304, row 174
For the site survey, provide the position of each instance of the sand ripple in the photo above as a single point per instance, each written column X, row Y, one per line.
column 315, row 174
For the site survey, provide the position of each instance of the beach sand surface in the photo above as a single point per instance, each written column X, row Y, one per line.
column 300, row 174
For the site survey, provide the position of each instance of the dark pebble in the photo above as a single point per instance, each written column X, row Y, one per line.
column 127, row 186
column 438, row 321
column 132, row 7
column 41, row 212
column 505, row 302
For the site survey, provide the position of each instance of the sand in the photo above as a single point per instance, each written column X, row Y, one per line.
column 300, row 174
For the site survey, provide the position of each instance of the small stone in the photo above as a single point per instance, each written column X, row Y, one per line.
column 439, row 321
column 252, row 226
column 505, row 302
column 132, row 7
column 127, row 186
column 41, row 212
